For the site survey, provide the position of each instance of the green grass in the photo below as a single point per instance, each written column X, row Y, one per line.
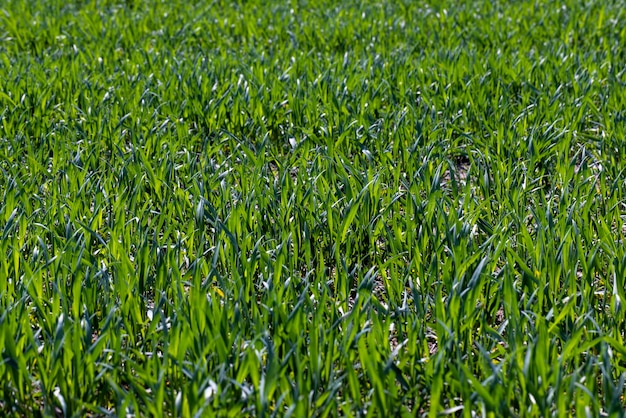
column 317, row 208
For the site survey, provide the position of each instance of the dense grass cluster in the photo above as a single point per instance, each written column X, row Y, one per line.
column 295, row 208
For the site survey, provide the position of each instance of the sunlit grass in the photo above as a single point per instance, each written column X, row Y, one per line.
column 312, row 208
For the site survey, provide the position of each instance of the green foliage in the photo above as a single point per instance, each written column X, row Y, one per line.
column 312, row 208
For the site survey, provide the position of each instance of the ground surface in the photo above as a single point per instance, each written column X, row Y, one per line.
column 277, row 208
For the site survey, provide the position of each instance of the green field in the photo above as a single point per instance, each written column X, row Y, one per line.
column 313, row 208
